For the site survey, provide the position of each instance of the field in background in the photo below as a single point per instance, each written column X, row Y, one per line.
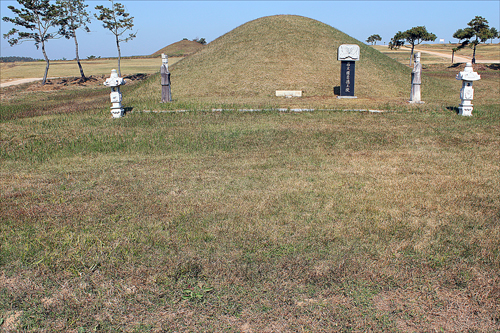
column 59, row 68
column 483, row 52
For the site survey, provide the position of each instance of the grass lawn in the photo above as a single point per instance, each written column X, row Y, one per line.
column 201, row 221
column 209, row 221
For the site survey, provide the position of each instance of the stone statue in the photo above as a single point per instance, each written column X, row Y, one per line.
column 166, row 92
column 416, row 80
column 164, row 60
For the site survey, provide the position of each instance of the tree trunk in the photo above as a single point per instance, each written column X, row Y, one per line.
column 452, row 56
column 78, row 58
column 119, row 56
column 47, row 61
column 474, row 55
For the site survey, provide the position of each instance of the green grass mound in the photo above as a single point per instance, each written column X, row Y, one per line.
column 179, row 49
column 284, row 52
column 280, row 53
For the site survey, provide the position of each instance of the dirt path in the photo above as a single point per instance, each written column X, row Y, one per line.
column 21, row 81
column 457, row 58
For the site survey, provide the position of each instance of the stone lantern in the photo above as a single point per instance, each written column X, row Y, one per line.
column 467, row 92
column 114, row 82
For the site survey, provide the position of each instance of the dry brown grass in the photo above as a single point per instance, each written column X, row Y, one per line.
column 181, row 48
column 483, row 52
column 324, row 221
column 97, row 67
column 282, row 52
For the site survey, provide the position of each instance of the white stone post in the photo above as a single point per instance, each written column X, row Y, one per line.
column 114, row 82
column 416, row 80
column 467, row 92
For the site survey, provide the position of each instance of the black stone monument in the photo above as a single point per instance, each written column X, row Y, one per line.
column 348, row 55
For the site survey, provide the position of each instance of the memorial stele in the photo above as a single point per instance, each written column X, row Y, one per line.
column 348, row 54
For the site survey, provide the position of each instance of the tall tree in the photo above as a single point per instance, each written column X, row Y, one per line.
column 477, row 32
column 373, row 39
column 37, row 17
column 493, row 34
column 116, row 20
column 73, row 16
column 413, row 36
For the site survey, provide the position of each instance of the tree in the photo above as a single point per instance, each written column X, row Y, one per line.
column 455, row 49
column 397, row 41
column 413, row 36
column 202, row 41
column 494, row 34
column 477, row 32
column 37, row 17
column 373, row 39
column 73, row 16
column 116, row 20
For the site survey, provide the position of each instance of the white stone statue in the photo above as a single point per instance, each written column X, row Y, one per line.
column 164, row 60
column 416, row 80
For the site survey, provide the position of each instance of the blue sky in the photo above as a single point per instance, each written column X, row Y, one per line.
column 160, row 23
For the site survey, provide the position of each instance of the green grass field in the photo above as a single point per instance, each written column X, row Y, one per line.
column 201, row 221
column 322, row 221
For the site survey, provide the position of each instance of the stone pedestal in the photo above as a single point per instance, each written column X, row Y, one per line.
column 288, row 93
column 116, row 100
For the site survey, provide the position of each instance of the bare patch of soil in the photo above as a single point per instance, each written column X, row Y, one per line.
column 75, row 82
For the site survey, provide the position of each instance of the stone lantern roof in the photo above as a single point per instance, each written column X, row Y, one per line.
column 468, row 74
column 114, row 80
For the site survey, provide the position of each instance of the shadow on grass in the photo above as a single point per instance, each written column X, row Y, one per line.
column 452, row 108
column 336, row 90
column 128, row 109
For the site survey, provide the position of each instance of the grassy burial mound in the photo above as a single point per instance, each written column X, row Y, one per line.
column 283, row 52
column 179, row 49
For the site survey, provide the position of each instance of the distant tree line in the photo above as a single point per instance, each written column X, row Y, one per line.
column 19, row 59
